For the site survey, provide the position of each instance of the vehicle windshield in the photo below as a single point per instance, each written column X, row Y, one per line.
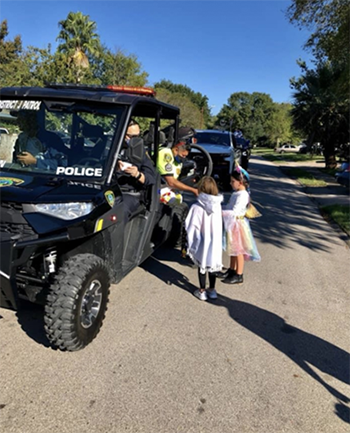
column 71, row 139
column 213, row 138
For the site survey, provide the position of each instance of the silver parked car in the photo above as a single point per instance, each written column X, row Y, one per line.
column 288, row 148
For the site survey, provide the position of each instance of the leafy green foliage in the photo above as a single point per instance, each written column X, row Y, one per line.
column 120, row 69
column 329, row 21
column 78, row 40
column 319, row 110
column 260, row 119
column 196, row 98
column 189, row 112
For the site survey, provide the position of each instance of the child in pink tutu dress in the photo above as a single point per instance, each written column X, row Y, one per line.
column 239, row 242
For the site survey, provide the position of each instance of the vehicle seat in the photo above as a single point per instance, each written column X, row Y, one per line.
column 50, row 139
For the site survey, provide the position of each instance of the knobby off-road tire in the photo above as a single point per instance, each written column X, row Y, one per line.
column 77, row 302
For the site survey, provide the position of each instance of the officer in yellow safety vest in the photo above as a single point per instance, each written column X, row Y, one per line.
column 169, row 165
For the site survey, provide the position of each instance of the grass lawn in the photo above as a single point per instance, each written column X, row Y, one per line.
column 340, row 214
column 304, row 177
column 270, row 155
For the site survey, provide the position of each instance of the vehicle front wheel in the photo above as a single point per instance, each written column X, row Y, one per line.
column 77, row 302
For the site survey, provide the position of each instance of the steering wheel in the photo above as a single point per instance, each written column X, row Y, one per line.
column 202, row 165
column 84, row 161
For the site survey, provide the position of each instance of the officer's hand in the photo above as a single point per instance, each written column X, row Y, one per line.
column 133, row 171
column 26, row 158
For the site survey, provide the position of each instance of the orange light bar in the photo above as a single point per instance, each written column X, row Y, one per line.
column 135, row 90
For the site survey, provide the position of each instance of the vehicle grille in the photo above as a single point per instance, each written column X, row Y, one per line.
column 20, row 231
column 15, row 230
column 219, row 159
column 11, row 205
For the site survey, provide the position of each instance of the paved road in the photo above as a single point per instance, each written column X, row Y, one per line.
column 271, row 355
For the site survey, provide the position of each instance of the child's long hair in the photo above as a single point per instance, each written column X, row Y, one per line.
column 238, row 175
column 208, row 185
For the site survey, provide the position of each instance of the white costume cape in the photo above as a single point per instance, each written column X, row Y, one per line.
column 204, row 232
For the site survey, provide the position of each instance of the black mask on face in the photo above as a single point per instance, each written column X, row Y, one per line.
column 179, row 159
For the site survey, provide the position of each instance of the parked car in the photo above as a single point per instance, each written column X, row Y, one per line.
column 3, row 130
column 221, row 147
column 288, row 148
column 343, row 175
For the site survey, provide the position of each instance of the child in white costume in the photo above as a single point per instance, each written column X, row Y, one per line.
column 204, row 235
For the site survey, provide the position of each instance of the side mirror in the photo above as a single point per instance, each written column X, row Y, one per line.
column 135, row 150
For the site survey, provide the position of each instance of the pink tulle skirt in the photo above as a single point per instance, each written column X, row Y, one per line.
column 239, row 240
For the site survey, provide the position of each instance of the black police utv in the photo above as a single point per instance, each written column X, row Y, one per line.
column 63, row 235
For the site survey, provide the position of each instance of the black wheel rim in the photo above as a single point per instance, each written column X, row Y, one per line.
column 91, row 304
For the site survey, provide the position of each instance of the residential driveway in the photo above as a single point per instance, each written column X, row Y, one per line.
column 271, row 355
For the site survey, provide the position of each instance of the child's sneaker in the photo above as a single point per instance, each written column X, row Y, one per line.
column 211, row 293
column 235, row 279
column 200, row 295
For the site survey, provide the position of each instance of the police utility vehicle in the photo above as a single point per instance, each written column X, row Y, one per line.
column 63, row 236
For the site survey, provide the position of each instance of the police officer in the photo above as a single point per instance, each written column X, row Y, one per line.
column 134, row 177
column 169, row 165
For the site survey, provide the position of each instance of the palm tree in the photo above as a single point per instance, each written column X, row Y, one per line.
column 320, row 110
column 79, row 39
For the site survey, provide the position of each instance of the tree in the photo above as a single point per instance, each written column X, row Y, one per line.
column 189, row 112
column 119, row 69
column 79, row 40
column 318, row 108
column 12, row 71
column 329, row 21
column 279, row 128
column 260, row 119
column 201, row 101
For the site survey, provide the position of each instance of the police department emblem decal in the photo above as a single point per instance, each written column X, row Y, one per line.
column 110, row 198
column 167, row 158
column 168, row 167
column 10, row 181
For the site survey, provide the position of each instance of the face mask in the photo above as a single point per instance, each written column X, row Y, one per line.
column 179, row 159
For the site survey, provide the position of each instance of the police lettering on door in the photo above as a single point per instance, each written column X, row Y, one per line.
column 80, row 171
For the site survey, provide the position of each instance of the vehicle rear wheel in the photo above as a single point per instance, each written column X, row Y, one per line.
column 77, row 302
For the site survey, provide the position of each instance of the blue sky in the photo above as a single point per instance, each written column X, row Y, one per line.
column 216, row 48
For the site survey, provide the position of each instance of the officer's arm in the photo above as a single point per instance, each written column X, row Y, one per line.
column 176, row 184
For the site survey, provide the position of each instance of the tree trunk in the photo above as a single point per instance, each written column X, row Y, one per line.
column 329, row 155
column 331, row 161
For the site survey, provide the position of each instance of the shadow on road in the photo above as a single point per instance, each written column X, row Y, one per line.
column 301, row 347
column 31, row 319
column 165, row 273
column 285, row 209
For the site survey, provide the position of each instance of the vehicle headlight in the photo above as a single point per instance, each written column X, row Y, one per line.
column 66, row 211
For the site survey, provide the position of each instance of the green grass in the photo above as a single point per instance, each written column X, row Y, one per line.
column 261, row 150
column 330, row 171
column 291, row 157
column 304, row 177
column 340, row 214
column 270, row 155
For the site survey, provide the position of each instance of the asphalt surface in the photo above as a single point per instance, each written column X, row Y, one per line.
column 269, row 356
